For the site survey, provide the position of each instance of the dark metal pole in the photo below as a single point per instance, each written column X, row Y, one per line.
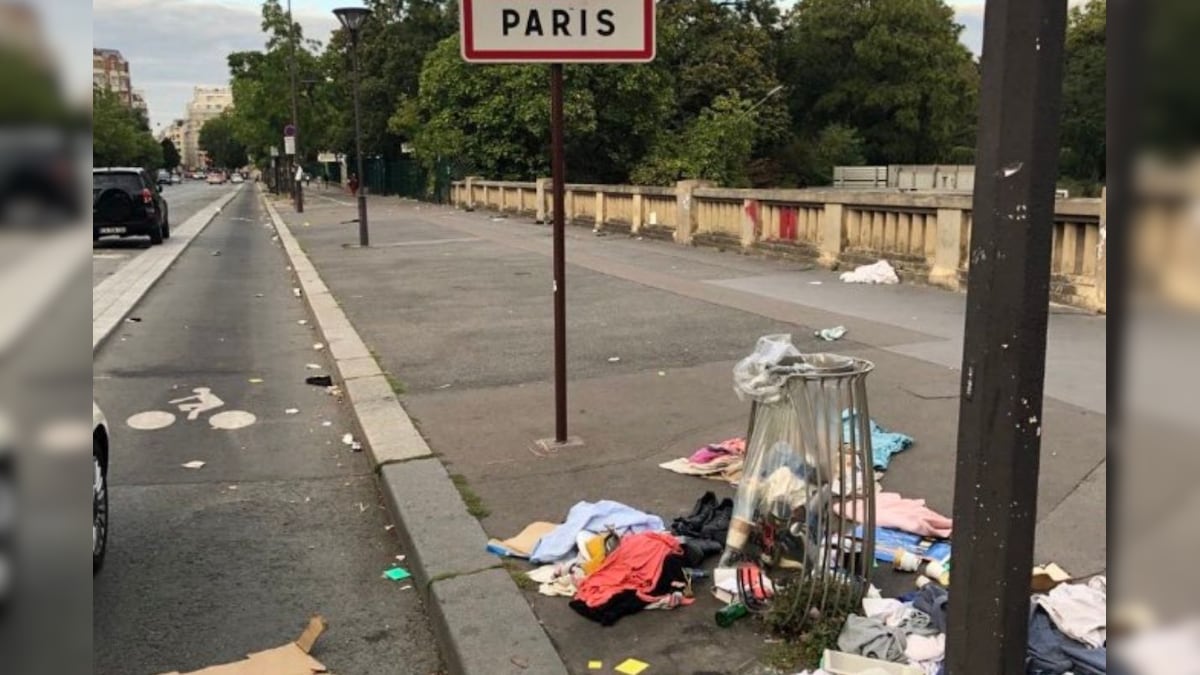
column 364, row 238
column 1004, row 349
column 297, row 188
column 558, row 171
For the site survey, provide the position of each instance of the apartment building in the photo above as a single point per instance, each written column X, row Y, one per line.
column 110, row 71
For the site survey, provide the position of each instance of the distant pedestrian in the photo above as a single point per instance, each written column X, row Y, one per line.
column 353, row 184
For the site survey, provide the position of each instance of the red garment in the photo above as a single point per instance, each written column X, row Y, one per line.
column 634, row 565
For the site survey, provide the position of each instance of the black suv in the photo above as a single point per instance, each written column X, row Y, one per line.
column 126, row 202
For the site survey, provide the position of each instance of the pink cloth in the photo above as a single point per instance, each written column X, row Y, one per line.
column 709, row 453
column 892, row 510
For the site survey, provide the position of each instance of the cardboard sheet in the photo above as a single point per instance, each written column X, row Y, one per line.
column 289, row 659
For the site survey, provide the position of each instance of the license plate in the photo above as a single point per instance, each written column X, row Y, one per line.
column 112, row 230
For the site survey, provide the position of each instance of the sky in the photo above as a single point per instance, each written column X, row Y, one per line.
column 174, row 45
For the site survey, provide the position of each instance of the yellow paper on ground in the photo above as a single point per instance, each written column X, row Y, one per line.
column 632, row 667
column 595, row 665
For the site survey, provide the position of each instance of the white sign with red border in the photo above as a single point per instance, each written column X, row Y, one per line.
column 557, row 31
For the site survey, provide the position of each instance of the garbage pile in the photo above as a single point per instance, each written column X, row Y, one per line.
column 799, row 543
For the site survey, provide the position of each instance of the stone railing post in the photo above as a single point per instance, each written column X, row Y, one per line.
column 947, row 254
column 1102, row 255
column 635, row 224
column 751, row 222
column 544, row 211
column 685, row 209
column 833, row 227
column 469, row 182
column 601, row 216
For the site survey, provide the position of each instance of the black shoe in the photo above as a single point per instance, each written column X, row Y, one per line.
column 717, row 527
column 691, row 524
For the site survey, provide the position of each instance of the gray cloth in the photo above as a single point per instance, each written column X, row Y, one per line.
column 872, row 638
column 932, row 600
column 916, row 622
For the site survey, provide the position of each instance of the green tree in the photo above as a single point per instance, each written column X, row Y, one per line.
column 219, row 139
column 892, row 69
column 119, row 136
column 1083, row 118
column 715, row 146
column 171, row 157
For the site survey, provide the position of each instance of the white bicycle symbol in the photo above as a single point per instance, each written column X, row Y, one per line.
column 201, row 401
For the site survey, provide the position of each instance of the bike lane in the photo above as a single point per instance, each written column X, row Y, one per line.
column 236, row 510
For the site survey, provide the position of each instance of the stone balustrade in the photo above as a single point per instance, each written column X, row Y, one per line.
column 925, row 236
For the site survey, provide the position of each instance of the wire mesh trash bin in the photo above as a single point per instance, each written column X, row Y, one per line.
column 809, row 446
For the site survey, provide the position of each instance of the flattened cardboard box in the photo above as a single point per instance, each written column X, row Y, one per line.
column 289, row 659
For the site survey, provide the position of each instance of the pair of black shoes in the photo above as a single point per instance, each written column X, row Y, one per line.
column 709, row 520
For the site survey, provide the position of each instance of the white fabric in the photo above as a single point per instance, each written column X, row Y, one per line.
column 555, row 579
column 1080, row 611
column 926, row 652
column 876, row 273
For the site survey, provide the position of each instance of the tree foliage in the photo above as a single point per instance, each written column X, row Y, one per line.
column 1083, row 119
column 120, row 136
column 218, row 137
column 171, row 156
column 749, row 92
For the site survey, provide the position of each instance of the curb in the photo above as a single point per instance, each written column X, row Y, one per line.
column 116, row 296
column 483, row 622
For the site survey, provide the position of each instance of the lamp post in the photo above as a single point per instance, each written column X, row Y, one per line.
column 352, row 19
column 297, row 159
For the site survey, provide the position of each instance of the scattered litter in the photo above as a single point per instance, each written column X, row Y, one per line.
column 318, row 346
column 662, row 373
column 406, row 587
column 831, row 334
column 233, row 487
column 1045, row 578
column 719, row 461
column 296, row 292
column 401, row 558
column 255, row 380
column 326, row 423
column 444, row 386
column 397, row 574
column 319, row 381
column 876, row 273
column 216, row 253
column 288, row 659
column 389, row 527
column 631, row 667
column 303, row 322
column 258, row 295
column 348, row 439
column 596, row 665
column 497, row 219
column 815, row 283
column 355, row 447
column 519, row 662
column 361, row 507
column 884, row 443
column 134, row 319
column 334, row 390
column 194, row 464
column 313, row 366
column 521, row 545
column 614, row 359
column 291, row 411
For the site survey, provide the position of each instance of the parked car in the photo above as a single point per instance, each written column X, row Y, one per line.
column 176, row 178
column 237, row 178
column 99, row 487
column 164, row 177
column 126, row 202
column 216, row 178
column 199, row 175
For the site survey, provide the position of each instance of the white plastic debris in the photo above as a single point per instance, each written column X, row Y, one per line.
column 876, row 273
column 194, row 464
column 831, row 334
column 318, row 346
column 614, row 359
column 348, row 439
column 313, row 366
column 291, row 411
column 296, row 292
column 303, row 322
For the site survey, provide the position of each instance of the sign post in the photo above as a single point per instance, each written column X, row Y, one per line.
column 557, row 32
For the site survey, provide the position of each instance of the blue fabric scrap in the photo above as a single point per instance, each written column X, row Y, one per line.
column 884, row 443
column 592, row 517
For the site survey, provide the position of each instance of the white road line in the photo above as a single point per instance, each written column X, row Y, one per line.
column 114, row 297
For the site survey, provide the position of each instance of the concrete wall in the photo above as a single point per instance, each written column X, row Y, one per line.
column 924, row 235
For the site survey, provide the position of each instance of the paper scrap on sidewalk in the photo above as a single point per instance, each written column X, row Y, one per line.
column 614, row 359
column 831, row 334
column 1046, row 577
column 595, row 665
column 348, row 439
column 288, row 659
column 296, row 292
column 318, row 346
column 397, row 574
column 880, row 272
column 255, row 380
column 631, row 667
column 313, row 366
column 194, row 464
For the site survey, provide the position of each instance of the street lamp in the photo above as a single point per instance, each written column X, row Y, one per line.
column 352, row 19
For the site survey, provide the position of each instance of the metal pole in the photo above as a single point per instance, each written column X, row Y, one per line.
column 298, row 189
column 1004, row 349
column 364, row 238
column 558, row 172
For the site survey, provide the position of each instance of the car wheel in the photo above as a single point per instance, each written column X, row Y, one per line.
column 99, row 512
column 156, row 235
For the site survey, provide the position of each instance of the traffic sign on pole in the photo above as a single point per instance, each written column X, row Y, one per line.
column 557, row 31
column 289, row 130
column 289, row 145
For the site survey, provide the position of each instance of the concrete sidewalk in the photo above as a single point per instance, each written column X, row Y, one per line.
column 456, row 307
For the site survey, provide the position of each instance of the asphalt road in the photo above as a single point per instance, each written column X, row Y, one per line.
column 112, row 253
column 282, row 521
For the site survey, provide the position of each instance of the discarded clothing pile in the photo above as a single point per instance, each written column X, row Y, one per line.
column 1068, row 630
column 892, row 510
column 880, row 272
column 587, row 519
column 900, row 632
column 719, row 461
column 645, row 571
